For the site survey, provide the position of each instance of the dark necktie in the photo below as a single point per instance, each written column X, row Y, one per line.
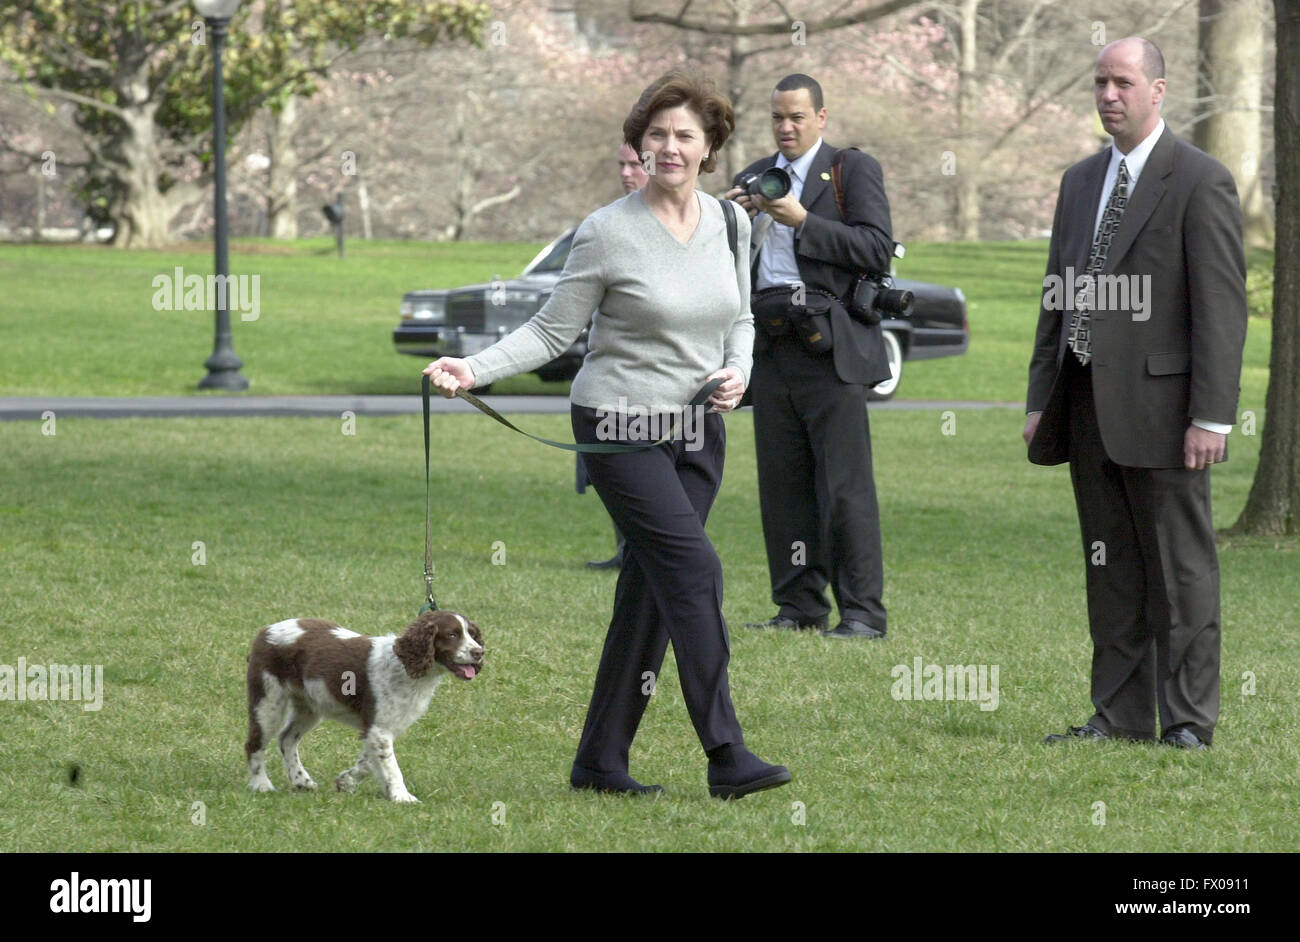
column 1080, row 334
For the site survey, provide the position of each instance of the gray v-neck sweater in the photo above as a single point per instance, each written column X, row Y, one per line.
column 667, row 313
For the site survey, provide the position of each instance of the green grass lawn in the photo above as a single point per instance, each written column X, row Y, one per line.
column 80, row 321
column 97, row 530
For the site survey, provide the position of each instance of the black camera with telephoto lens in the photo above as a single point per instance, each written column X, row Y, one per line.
column 873, row 297
column 772, row 184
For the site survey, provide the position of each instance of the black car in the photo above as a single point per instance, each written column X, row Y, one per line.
column 462, row 321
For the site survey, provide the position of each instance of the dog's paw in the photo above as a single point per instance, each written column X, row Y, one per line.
column 405, row 797
column 305, row 784
column 345, row 783
column 261, row 785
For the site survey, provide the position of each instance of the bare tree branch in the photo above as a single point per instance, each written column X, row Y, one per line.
column 759, row 50
column 491, row 201
column 164, row 12
column 914, row 76
column 1034, row 108
column 76, row 55
column 1022, row 33
column 74, row 97
column 770, row 27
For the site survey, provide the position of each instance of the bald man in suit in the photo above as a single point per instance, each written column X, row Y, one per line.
column 1134, row 381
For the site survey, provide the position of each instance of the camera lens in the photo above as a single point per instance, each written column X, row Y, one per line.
column 772, row 184
column 895, row 301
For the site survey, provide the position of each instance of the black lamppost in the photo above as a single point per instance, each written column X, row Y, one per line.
column 223, row 366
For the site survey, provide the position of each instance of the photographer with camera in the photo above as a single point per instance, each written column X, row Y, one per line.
column 814, row 360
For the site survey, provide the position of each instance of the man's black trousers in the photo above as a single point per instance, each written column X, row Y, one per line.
column 817, row 490
column 1153, row 582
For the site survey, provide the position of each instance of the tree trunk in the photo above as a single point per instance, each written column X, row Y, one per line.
column 968, row 120
column 1273, row 507
column 282, row 183
column 1230, row 83
column 39, row 232
column 141, row 211
column 363, row 200
column 735, row 155
column 462, row 178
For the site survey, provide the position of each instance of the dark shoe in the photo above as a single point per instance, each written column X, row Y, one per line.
column 734, row 772
column 789, row 624
column 1086, row 731
column 849, row 628
column 1183, row 738
column 614, row 782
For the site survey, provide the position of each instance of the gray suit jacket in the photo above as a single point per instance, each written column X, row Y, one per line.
column 1171, row 350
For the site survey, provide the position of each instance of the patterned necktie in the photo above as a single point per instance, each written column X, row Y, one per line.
column 1080, row 335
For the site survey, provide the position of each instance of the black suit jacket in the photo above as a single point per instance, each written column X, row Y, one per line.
column 1177, row 356
column 830, row 249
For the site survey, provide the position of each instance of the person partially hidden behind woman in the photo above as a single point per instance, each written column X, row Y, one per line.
column 673, row 313
column 632, row 176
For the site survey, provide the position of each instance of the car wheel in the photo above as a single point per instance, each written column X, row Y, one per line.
column 882, row 392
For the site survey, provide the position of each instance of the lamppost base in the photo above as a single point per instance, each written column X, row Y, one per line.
column 223, row 373
column 232, row 382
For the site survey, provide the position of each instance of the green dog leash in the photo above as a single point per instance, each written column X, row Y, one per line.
column 599, row 448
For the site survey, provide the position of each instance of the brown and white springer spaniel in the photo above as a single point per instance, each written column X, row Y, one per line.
column 309, row 669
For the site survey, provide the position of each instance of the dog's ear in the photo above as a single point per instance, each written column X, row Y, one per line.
column 415, row 647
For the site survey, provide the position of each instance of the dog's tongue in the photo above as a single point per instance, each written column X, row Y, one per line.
column 468, row 671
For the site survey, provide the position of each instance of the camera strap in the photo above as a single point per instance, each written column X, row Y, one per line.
column 729, row 213
column 837, row 179
column 837, row 182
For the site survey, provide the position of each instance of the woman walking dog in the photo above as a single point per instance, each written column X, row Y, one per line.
column 673, row 313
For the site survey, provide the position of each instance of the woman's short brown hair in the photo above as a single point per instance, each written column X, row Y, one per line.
column 696, row 92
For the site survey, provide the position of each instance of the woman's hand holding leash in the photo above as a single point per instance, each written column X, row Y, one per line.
column 727, row 396
column 450, row 374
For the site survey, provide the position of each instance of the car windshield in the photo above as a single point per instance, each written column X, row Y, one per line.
column 553, row 257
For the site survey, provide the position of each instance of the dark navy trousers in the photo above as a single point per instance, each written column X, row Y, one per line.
column 669, row 589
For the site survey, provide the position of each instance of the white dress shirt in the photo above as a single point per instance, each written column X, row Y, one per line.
column 776, row 262
column 1135, row 160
